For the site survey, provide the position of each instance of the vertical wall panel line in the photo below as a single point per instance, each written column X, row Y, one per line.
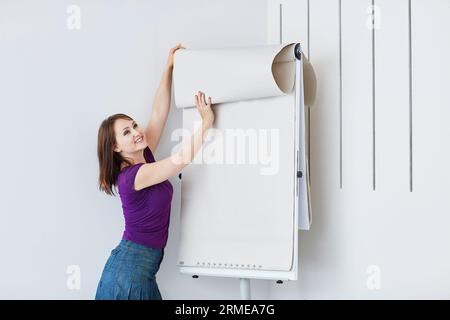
column 340, row 93
column 309, row 109
column 373, row 91
column 410, row 99
column 281, row 23
column 307, row 19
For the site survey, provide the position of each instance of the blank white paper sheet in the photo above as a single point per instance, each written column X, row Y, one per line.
column 237, row 197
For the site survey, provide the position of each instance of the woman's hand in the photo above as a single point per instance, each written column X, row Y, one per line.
column 204, row 109
column 172, row 53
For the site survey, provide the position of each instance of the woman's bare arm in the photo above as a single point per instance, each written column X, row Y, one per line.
column 160, row 111
column 161, row 104
column 156, row 172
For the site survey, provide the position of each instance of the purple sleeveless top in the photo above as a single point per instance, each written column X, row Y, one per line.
column 146, row 211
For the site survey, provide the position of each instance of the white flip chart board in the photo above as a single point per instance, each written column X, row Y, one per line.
column 243, row 198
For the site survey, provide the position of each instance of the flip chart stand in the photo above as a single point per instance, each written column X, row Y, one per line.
column 245, row 282
column 245, row 288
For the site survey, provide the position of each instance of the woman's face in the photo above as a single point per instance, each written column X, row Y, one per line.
column 130, row 137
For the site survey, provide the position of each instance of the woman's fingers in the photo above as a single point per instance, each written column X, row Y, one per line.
column 203, row 99
column 200, row 100
column 197, row 101
column 178, row 46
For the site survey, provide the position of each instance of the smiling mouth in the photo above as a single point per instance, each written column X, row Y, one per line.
column 139, row 140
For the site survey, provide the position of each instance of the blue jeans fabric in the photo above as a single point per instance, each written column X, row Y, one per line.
column 130, row 273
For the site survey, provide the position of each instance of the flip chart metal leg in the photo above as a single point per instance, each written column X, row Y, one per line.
column 245, row 289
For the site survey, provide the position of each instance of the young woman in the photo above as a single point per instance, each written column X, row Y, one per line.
column 125, row 154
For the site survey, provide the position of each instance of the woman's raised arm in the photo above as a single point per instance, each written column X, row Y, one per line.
column 156, row 172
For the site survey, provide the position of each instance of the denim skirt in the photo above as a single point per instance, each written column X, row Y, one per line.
column 130, row 273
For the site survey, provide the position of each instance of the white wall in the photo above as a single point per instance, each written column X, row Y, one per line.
column 57, row 85
column 384, row 232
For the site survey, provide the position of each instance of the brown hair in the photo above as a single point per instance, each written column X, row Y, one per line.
column 109, row 161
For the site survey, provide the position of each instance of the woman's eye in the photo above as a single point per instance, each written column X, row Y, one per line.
column 126, row 132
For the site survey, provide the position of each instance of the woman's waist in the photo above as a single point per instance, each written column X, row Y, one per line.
column 134, row 246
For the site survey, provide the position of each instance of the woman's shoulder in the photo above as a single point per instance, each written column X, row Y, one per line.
column 148, row 155
column 125, row 180
column 127, row 174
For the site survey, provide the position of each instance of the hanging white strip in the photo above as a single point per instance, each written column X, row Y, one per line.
column 303, row 190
